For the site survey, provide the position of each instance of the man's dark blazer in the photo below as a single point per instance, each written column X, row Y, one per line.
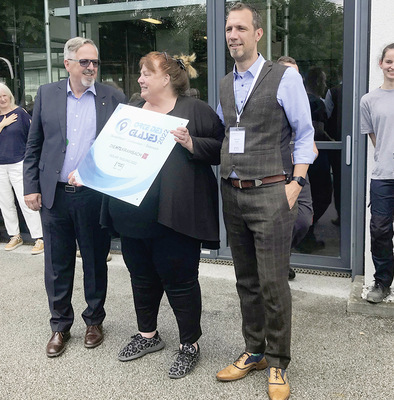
column 47, row 141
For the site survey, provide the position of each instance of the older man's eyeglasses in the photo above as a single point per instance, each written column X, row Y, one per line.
column 85, row 62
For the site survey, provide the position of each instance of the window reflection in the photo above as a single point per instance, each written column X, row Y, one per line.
column 21, row 32
column 124, row 37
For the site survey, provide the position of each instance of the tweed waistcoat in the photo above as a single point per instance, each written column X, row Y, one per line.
column 268, row 132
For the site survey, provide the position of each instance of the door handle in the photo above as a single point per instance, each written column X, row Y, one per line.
column 348, row 150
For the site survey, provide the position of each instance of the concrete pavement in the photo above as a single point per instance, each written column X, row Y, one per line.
column 336, row 354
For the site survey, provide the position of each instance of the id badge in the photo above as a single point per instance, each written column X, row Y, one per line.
column 237, row 140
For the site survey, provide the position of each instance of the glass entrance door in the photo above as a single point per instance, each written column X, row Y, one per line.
column 312, row 32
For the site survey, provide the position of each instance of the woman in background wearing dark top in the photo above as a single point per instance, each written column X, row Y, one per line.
column 319, row 172
column 161, row 239
column 14, row 128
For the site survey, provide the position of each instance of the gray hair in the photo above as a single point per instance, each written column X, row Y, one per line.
column 74, row 44
column 8, row 92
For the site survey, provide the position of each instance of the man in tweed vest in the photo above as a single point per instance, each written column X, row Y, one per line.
column 261, row 103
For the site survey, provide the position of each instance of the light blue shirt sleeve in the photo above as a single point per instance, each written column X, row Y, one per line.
column 294, row 100
column 219, row 112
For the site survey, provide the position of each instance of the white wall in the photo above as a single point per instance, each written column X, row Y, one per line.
column 382, row 34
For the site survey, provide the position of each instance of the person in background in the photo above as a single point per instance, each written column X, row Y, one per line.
column 261, row 104
column 377, row 121
column 161, row 239
column 14, row 129
column 319, row 172
column 333, row 104
column 29, row 104
column 288, row 61
column 67, row 117
column 305, row 208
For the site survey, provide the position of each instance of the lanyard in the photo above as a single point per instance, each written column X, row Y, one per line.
column 249, row 92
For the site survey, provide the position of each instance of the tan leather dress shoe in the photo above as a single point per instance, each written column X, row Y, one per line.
column 94, row 336
column 278, row 385
column 240, row 368
column 57, row 343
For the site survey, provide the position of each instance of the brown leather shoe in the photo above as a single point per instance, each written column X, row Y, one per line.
column 278, row 385
column 240, row 368
column 94, row 336
column 57, row 343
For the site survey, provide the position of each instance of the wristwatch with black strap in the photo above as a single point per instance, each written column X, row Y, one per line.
column 300, row 180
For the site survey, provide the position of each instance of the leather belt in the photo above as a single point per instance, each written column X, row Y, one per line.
column 237, row 183
column 69, row 188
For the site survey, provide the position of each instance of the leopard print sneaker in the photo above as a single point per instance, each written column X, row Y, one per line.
column 185, row 361
column 139, row 346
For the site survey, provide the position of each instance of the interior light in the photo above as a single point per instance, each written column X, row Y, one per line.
column 152, row 21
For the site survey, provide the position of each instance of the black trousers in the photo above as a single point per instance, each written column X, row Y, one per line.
column 321, row 185
column 75, row 216
column 169, row 264
column 381, row 228
column 305, row 215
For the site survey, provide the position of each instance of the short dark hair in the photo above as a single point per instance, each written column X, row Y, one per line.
column 388, row 47
column 286, row 59
column 255, row 14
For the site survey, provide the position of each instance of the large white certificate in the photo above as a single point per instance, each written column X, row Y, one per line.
column 128, row 154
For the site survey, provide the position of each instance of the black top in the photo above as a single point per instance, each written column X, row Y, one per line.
column 334, row 123
column 184, row 196
column 13, row 137
column 319, row 114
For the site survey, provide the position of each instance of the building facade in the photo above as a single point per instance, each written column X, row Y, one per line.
column 330, row 36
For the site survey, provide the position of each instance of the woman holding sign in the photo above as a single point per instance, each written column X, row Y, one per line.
column 161, row 239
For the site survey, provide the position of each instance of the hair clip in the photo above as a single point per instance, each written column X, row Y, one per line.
column 181, row 63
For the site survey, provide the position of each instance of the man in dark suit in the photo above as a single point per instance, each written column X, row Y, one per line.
column 261, row 104
column 68, row 115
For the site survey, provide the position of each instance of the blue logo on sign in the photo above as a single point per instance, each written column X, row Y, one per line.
column 123, row 125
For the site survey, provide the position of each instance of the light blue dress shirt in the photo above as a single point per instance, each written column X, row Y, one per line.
column 292, row 97
column 81, row 128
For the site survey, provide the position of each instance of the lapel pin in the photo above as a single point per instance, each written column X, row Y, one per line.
column 103, row 104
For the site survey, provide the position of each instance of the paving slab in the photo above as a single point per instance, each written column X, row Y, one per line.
column 335, row 354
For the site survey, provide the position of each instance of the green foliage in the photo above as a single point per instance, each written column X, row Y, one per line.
column 316, row 30
column 26, row 19
column 316, row 34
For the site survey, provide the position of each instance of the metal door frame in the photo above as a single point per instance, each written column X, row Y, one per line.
column 353, row 146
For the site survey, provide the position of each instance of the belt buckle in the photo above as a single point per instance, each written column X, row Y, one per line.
column 258, row 182
column 70, row 189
